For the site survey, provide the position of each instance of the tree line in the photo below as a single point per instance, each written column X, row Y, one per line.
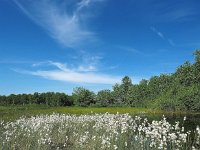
column 49, row 99
column 173, row 92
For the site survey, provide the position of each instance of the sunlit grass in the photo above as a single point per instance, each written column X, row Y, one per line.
column 14, row 112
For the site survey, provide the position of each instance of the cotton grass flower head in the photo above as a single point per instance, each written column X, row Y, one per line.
column 94, row 131
column 184, row 118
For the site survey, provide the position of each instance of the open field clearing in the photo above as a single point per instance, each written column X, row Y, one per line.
column 14, row 112
column 96, row 131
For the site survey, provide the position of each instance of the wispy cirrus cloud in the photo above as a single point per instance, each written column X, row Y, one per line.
column 134, row 51
column 74, row 75
column 161, row 35
column 65, row 21
column 129, row 49
column 157, row 32
column 180, row 12
column 87, row 61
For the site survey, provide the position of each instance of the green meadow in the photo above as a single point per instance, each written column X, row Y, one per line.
column 14, row 112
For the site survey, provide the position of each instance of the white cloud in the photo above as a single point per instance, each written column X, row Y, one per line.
column 113, row 67
column 82, row 62
column 180, row 12
column 75, row 75
column 129, row 49
column 80, row 74
column 87, row 68
column 85, row 3
column 161, row 35
column 82, row 4
column 171, row 42
column 60, row 66
column 81, row 68
column 87, row 61
column 158, row 32
column 67, row 26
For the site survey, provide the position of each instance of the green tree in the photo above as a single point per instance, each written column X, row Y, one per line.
column 117, row 94
column 197, row 67
column 66, row 100
column 197, row 56
column 184, row 75
column 83, row 97
column 104, row 98
column 138, row 93
column 126, row 85
column 3, row 100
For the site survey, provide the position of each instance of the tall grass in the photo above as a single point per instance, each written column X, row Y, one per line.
column 95, row 131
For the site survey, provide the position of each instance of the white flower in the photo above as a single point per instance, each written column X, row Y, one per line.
column 115, row 147
column 184, row 118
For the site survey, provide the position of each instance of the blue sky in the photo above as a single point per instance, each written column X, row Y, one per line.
column 56, row 45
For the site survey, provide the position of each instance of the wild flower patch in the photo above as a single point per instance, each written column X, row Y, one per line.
column 96, row 131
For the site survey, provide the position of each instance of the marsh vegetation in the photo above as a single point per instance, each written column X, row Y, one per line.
column 96, row 131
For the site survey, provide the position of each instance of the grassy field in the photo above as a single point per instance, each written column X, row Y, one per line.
column 14, row 112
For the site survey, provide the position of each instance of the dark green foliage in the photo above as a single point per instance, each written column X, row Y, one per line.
column 126, row 86
column 117, row 94
column 180, row 99
column 104, row 98
column 185, row 74
column 121, row 92
column 138, row 93
column 189, row 98
column 49, row 98
column 196, row 67
column 83, row 97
